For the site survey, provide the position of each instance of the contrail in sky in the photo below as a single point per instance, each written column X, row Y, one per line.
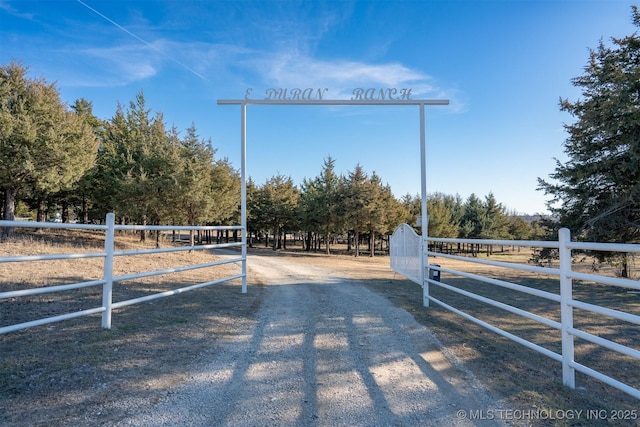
column 141, row 40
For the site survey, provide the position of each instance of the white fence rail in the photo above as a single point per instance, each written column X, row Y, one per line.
column 401, row 263
column 108, row 278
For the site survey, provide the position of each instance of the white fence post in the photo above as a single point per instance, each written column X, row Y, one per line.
column 566, row 311
column 107, row 288
column 424, row 271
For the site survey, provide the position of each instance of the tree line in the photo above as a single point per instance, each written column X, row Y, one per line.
column 359, row 210
column 54, row 158
column 67, row 160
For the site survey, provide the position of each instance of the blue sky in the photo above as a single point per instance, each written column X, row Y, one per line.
column 502, row 64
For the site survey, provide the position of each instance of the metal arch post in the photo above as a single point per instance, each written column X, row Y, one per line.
column 243, row 187
column 424, row 275
column 243, row 192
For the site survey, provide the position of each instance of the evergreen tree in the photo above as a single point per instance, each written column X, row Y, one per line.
column 82, row 191
column 226, row 193
column 474, row 218
column 275, row 205
column 412, row 209
column 441, row 216
column 519, row 229
column 497, row 224
column 194, row 199
column 356, row 203
column 138, row 165
column 599, row 187
column 456, row 206
column 135, row 193
column 323, row 202
column 474, row 221
column 254, row 226
column 111, row 166
column 596, row 193
column 381, row 211
column 42, row 145
column 396, row 213
column 309, row 212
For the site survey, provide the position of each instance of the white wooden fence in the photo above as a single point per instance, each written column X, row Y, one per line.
column 567, row 304
column 108, row 278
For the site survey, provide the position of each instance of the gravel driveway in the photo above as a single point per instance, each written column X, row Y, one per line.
column 322, row 351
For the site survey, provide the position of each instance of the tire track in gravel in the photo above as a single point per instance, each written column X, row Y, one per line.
column 323, row 351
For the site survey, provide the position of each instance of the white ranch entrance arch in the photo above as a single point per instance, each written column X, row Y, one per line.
column 361, row 97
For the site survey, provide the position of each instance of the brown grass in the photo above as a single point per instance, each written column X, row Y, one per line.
column 68, row 371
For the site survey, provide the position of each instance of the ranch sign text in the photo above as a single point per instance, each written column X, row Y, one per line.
column 313, row 94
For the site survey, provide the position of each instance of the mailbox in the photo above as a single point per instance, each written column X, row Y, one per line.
column 434, row 274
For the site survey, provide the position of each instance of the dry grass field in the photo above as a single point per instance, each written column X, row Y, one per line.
column 65, row 370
